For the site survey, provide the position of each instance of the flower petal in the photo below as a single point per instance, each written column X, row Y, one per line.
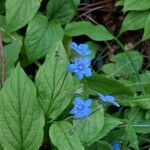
column 86, row 112
column 87, row 62
column 110, row 99
column 71, row 68
column 73, row 111
column 79, row 115
column 88, row 72
column 116, row 104
column 83, row 49
column 115, row 146
column 83, row 46
column 102, row 97
column 78, row 101
column 79, row 75
column 88, row 103
column 78, row 61
column 74, row 46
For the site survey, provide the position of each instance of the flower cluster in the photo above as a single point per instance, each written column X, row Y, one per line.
column 81, row 108
column 81, row 65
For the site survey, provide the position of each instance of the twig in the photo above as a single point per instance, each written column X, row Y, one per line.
column 2, row 53
column 91, row 10
column 86, row 6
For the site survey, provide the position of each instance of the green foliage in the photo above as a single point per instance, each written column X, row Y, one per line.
column 63, row 139
column 21, row 119
column 136, row 117
column 135, row 20
column 109, row 124
column 133, row 82
column 146, row 35
column 141, row 101
column 63, row 10
column 14, row 48
column 92, row 125
column 95, row 32
column 20, row 12
column 138, row 16
column 122, row 64
column 136, row 5
column 37, row 89
column 100, row 145
column 132, row 137
column 53, row 84
column 101, row 84
column 41, row 37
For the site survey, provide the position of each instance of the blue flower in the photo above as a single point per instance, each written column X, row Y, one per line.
column 81, row 67
column 81, row 49
column 81, row 108
column 108, row 99
column 115, row 146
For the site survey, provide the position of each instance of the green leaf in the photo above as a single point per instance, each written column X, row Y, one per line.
column 116, row 135
column 146, row 35
column 20, row 12
column 123, row 64
column 11, row 55
column 63, row 10
column 7, row 37
column 60, row 136
column 54, row 84
column 135, row 20
column 109, row 124
column 100, row 145
column 141, row 101
column 95, row 32
column 132, row 137
column 136, row 5
column 90, row 126
column 41, row 37
column 21, row 119
column 134, row 84
column 137, row 119
column 101, row 84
